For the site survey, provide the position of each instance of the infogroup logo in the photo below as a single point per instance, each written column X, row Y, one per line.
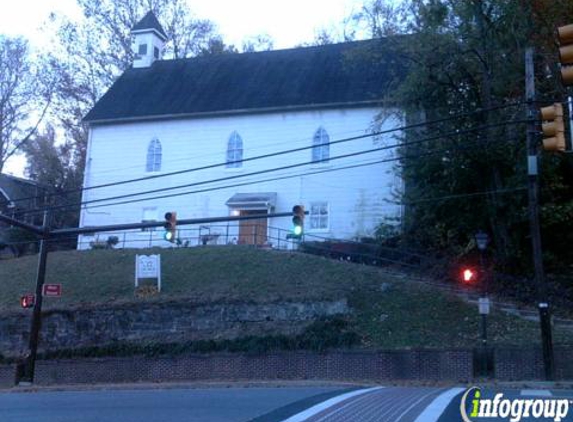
column 511, row 409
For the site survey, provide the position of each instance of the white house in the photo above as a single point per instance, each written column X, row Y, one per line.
column 221, row 112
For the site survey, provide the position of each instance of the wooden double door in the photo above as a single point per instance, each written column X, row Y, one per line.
column 253, row 232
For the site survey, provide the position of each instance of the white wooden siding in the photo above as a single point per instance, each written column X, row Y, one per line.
column 358, row 199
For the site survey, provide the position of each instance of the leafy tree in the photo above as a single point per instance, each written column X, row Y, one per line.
column 25, row 95
column 59, row 167
column 466, row 56
column 18, row 241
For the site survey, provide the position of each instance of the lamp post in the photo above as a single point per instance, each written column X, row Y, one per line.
column 482, row 240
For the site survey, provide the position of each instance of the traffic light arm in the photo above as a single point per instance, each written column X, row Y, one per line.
column 152, row 224
column 21, row 224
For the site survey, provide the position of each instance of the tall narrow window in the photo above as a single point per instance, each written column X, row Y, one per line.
column 153, row 156
column 319, row 215
column 320, row 146
column 235, row 151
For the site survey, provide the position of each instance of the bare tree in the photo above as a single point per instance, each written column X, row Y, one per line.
column 96, row 50
column 261, row 42
column 24, row 96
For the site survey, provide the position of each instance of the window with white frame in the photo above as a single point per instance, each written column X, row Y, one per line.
column 149, row 215
column 235, row 151
column 153, row 162
column 320, row 146
column 318, row 216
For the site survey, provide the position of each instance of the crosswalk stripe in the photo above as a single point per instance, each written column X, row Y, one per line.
column 414, row 404
column 438, row 405
column 300, row 417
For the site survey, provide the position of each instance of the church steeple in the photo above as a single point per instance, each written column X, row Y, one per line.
column 148, row 41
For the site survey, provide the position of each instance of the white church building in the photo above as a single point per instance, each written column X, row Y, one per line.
column 191, row 131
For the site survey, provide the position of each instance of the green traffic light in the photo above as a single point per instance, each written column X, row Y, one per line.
column 297, row 230
column 168, row 236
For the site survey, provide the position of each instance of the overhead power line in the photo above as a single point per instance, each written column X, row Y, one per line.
column 234, row 177
column 272, row 179
column 279, row 153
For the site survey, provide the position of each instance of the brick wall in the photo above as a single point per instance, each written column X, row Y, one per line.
column 7, row 374
column 422, row 365
column 454, row 365
column 514, row 364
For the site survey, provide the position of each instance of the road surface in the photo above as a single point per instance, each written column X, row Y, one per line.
column 162, row 405
column 286, row 404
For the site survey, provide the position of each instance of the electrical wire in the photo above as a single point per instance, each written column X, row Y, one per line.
column 354, row 138
column 266, row 171
column 271, row 179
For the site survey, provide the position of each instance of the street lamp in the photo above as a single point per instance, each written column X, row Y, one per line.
column 482, row 240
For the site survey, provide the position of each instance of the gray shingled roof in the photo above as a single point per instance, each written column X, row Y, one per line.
column 16, row 188
column 352, row 73
column 149, row 21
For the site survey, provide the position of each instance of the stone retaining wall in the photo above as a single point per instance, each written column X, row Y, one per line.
column 170, row 322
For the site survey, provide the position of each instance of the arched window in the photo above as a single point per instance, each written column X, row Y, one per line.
column 153, row 156
column 235, row 151
column 320, row 146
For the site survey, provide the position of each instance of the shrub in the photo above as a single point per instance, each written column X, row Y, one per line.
column 19, row 241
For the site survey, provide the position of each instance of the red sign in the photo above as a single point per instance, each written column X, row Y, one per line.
column 54, row 290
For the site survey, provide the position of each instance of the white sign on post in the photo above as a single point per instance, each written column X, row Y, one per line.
column 484, row 305
column 148, row 266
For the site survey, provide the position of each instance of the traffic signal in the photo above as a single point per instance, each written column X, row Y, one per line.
column 469, row 275
column 170, row 226
column 565, row 34
column 298, row 220
column 553, row 128
column 27, row 301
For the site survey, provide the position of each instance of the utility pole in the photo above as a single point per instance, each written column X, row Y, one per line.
column 37, row 313
column 570, row 106
column 533, row 190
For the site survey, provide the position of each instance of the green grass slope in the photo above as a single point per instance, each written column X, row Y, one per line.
column 388, row 312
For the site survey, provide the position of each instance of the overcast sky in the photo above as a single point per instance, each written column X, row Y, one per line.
column 289, row 23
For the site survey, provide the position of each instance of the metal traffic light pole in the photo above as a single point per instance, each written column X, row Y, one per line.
column 533, row 190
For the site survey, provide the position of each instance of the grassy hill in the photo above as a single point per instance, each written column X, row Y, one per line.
column 389, row 312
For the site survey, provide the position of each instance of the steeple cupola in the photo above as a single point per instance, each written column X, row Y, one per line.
column 148, row 41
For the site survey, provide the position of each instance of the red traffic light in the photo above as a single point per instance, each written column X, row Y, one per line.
column 27, row 301
column 469, row 275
